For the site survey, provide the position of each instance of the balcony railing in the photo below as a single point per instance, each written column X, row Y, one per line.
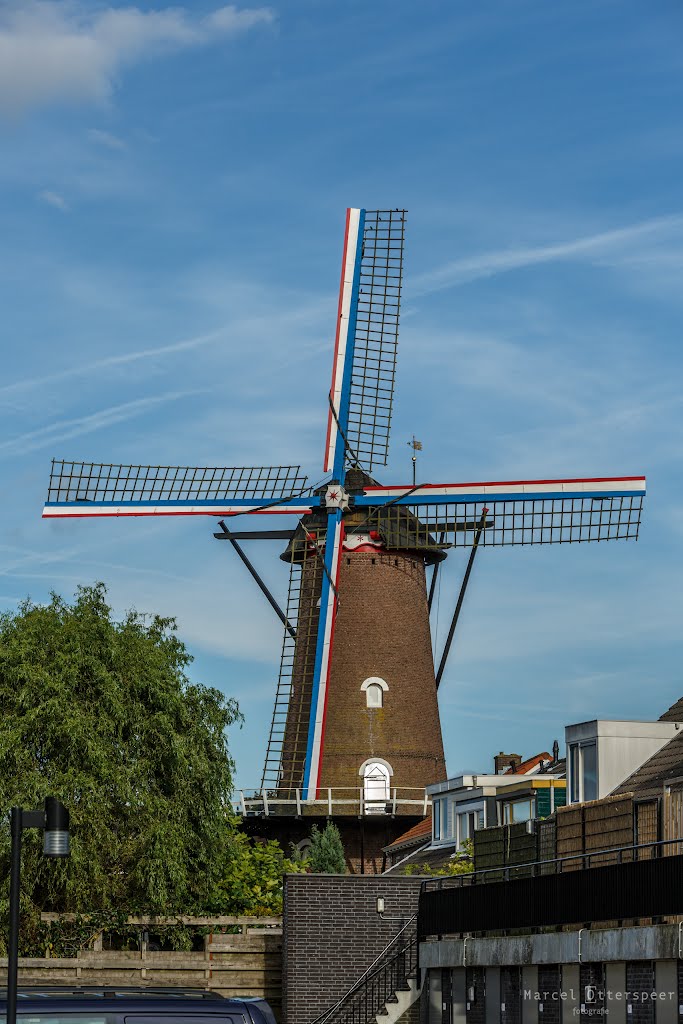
column 644, row 881
column 352, row 801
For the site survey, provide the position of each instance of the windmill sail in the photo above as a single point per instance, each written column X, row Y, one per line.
column 364, row 364
column 93, row 488
column 520, row 512
column 373, row 369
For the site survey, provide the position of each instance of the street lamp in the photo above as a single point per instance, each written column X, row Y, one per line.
column 53, row 819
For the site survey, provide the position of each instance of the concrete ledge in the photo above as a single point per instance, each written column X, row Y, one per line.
column 653, row 942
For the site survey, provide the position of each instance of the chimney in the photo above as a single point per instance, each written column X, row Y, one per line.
column 556, row 752
column 502, row 762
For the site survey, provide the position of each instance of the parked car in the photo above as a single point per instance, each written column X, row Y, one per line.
column 102, row 1005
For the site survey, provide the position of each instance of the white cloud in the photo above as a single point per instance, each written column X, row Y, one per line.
column 56, row 51
column 53, row 199
column 109, row 362
column 63, row 430
column 106, row 139
column 597, row 247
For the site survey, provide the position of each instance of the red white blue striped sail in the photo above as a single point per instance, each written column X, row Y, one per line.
column 338, row 413
column 323, row 656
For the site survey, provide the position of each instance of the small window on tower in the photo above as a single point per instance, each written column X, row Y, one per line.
column 374, row 688
column 374, row 696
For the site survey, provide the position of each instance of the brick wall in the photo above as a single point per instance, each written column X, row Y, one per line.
column 382, row 629
column 332, row 933
column 592, row 995
column 640, row 979
column 549, row 985
column 475, row 980
column 511, row 995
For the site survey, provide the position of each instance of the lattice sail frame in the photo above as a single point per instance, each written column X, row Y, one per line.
column 534, row 521
column 102, row 483
column 373, row 368
column 515, row 512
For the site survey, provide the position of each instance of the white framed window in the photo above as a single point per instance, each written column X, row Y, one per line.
column 376, row 775
column 374, row 689
column 467, row 824
column 583, row 772
column 519, row 810
column 436, row 819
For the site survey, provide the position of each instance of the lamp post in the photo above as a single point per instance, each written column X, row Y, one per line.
column 53, row 819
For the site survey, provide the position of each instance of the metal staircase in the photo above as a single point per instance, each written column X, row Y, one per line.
column 387, row 990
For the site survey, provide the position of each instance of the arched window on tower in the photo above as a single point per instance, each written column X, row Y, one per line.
column 374, row 689
column 376, row 775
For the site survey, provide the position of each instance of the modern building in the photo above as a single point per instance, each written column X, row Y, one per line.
column 602, row 754
column 592, row 931
column 518, row 791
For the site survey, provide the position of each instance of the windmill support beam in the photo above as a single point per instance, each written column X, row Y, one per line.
column 256, row 535
column 435, row 575
column 226, row 535
column 461, row 597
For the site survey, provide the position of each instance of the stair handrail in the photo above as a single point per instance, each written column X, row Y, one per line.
column 327, row 1014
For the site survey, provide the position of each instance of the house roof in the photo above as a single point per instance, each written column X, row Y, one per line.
column 418, row 834
column 666, row 764
column 532, row 762
column 675, row 712
column 432, row 857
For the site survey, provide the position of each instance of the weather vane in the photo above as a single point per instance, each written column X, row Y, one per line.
column 417, row 447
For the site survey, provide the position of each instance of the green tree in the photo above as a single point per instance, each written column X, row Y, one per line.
column 252, row 876
column 461, row 863
column 326, row 854
column 102, row 715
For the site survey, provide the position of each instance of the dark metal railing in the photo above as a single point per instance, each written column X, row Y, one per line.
column 387, row 974
column 642, row 881
column 555, row 865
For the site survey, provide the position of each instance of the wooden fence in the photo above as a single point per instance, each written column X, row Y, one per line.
column 505, row 846
column 597, row 825
column 248, row 963
column 672, row 820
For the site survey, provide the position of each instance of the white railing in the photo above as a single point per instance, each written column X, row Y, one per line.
column 339, row 800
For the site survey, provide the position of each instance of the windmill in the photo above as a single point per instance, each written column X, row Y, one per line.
column 356, row 720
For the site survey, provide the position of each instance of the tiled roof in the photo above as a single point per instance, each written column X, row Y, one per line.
column 666, row 764
column 419, row 832
column 675, row 712
column 530, row 763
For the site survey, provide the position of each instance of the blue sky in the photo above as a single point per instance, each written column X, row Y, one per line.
column 172, row 191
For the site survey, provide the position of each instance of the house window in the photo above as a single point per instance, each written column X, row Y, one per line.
column 466, row 826
column 374, row 689
column 518, row 810
column 583, row 771
column 376, row 781
column 589, row 772
column 440, row 819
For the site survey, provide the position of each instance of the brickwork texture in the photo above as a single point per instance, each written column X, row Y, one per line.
column 332, row 933
column 382, row 629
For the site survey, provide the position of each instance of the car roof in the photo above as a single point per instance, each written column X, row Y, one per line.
column 110, row 992
column 126, row 1003
column 143, row 1001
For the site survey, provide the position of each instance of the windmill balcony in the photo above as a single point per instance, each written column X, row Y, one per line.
column 340, row 801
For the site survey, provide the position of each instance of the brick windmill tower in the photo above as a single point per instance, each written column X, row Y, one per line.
column 355, row 733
